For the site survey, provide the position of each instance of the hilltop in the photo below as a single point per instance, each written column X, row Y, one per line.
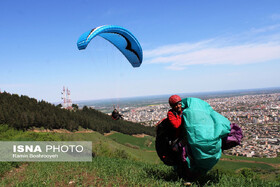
column 22, row 112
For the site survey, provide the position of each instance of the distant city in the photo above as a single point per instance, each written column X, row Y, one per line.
column 256, row 111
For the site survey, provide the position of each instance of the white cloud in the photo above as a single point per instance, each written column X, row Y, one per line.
column 216, row 51
column 175, row 49
column 275, row 16
column 266, row 29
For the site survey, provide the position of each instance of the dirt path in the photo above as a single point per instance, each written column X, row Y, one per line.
column 139, row 135
column 277, row 166
column 135, row 135
column 109, row 133
column 61, row 131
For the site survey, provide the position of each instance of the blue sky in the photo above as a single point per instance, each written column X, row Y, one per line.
column 188, row 46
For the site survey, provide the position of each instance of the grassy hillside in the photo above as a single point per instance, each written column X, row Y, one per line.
column 122, row 161
column 104, row 171
column 145, row 142
column 266, row 160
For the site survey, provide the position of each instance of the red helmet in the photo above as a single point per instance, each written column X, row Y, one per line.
column 173, row 99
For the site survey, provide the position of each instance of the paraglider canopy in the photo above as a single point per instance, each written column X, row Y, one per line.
column 120, row 37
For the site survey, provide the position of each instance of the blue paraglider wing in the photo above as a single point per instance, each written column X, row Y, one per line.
column 119, row 37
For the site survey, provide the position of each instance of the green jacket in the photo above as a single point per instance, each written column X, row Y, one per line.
column 205, row 129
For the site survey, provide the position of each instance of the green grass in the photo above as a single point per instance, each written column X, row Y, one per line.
column 102, row 145
column 146, row 142
column 267, row 160
column 104, row 171
column 262, row 170
column 117, row 164
column 228, row 165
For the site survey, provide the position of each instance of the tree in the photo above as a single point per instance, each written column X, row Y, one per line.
column 75, row 107
column 59, row 105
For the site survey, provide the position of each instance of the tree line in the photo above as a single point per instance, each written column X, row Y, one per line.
column 22, row 112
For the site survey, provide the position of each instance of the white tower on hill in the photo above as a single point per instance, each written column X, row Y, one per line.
column 67, row 102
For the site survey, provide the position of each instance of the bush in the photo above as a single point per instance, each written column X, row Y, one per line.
column 247, row 173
